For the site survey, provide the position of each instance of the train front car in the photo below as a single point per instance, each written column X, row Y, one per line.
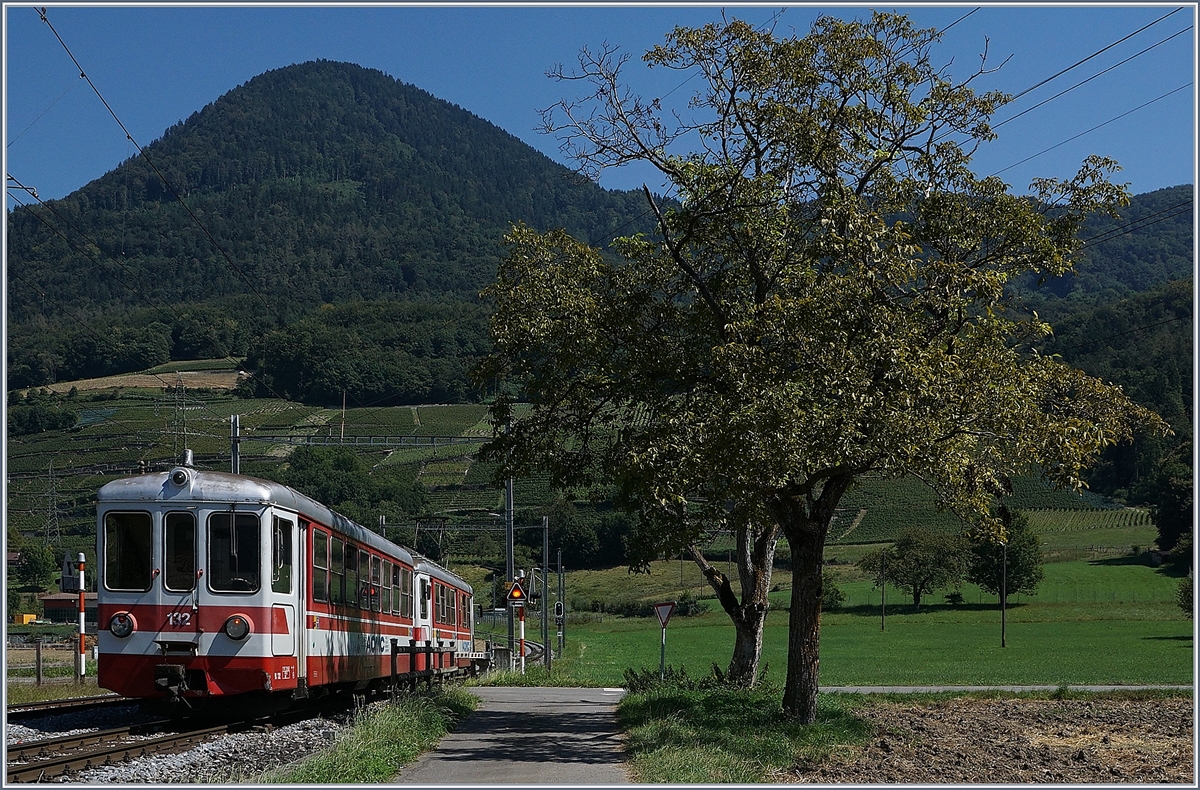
column 199, row 593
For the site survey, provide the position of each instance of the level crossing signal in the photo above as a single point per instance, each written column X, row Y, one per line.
column 516, row 594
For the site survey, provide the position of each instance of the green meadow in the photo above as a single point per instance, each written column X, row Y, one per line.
column 1092, row 622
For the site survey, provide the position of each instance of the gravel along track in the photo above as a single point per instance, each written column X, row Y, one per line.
column 235, row 758
column 1018, row 741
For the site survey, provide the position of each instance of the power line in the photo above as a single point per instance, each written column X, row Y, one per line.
column 1094, row 128
column 1056, row 75
column 1094, row 76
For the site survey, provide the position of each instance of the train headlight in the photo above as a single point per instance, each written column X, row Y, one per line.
column 237, row 627
column 121, row 625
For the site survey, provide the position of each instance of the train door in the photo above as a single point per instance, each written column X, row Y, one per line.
column 284, row 584
column 180, row 546
column 423, row 616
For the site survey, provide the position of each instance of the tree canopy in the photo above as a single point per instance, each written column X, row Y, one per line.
column 921, row 562
column 1010, row 566
column 826, row 301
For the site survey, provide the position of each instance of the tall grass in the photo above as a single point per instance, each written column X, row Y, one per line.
column 384, row 738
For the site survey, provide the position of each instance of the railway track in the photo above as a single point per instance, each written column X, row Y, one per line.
column 28, row 710
column 49, row 758
column 53, row 757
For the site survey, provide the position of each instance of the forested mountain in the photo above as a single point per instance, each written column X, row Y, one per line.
column 354, row 219
column 320, row 183
column 1144, row 344
column 1148, row 246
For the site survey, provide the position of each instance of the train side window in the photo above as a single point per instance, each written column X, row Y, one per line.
column 376, row 583
column 388, row 574
column 351, row 598
column 128, row 561
column 281, row 555
column 364, row 575
column 424, row 599
column 337, row 572
column 320, row 580
column 179, row 548
column 234, row 555
column 406, row 593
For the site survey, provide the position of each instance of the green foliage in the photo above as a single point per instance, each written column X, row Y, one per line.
column 921, row 562
column 39, row 411
column 341, row 479
column 1185, row 597
column 1017, row 563
column 382, row 353
column 832, row 596
column 36, row 564
column 1145, row 246
column 1171, row 494
column 1143, row 344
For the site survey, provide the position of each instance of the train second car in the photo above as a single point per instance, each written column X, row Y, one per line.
column 217, row 586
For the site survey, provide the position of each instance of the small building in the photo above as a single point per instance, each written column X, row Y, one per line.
column 63, row 607
column 24, row 619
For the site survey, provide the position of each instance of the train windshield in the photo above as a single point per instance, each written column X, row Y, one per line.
column 234, row 561
column 128, row 562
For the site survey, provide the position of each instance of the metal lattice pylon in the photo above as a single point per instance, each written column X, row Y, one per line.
column 53, row 532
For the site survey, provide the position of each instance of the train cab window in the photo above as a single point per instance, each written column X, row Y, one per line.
column 234, row 555
column 376, row 584
column 320, row 555
column 337, row 572
column 179, row 551
column 128, row 561
column 281, row 555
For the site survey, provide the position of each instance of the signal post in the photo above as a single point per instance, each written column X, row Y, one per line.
column 516, row 600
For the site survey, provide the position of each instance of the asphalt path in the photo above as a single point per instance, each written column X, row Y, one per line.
column 528, row 736
column 569, row 736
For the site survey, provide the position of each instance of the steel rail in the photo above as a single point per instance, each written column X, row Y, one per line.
column 27, row 710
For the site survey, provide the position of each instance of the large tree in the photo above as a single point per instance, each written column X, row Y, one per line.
column 920, row 562
column 823, row 301
column 1011, row 565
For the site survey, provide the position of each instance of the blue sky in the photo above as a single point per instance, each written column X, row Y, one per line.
column 157, row 65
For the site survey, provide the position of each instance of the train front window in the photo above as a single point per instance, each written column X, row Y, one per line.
column 128, row 559
column 179, row 550
column 234, row 560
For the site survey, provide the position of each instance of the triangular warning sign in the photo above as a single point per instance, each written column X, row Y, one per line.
column 664, row 610
column 516, row 593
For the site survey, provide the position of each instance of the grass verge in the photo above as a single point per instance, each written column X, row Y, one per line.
column 382, row 739
column 723, row 735
column 701, row 733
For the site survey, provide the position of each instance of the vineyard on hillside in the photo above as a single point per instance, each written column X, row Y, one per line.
column 53, row 476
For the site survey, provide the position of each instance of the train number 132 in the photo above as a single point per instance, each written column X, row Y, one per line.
column 179, row 619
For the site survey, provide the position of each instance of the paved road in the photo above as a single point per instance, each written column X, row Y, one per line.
column 527, row 736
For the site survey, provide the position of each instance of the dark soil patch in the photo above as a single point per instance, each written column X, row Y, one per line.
column 1018, row 741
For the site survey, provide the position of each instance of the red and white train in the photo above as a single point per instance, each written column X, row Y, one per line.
column 216, row 586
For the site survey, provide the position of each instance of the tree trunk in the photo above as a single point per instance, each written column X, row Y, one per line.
column 804, row 519
column 756, row 556
column 804, row 627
